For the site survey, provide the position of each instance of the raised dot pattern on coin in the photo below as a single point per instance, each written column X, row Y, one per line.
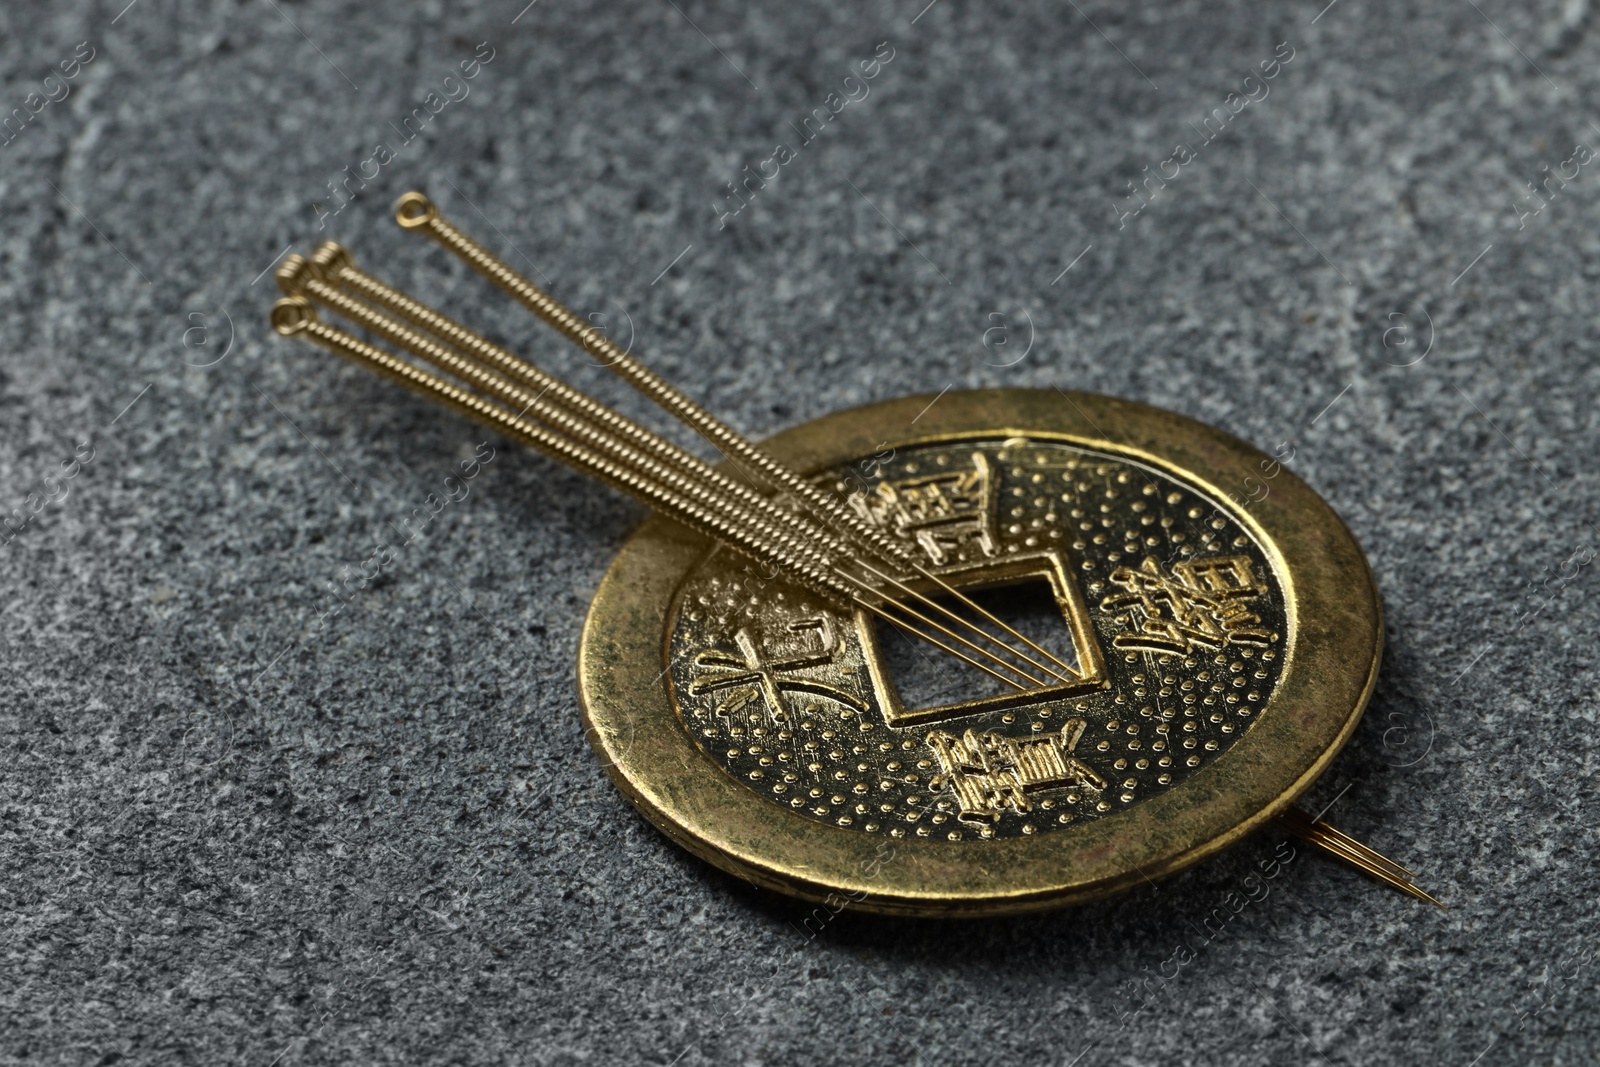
column 1180, row 611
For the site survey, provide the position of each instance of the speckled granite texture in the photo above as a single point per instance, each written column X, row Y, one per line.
column 233, row 830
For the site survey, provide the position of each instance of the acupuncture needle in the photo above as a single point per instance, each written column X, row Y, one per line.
column 1344, row 847
column 297, row 276
column 695, row 493
column 415, row 211
column 294, row 316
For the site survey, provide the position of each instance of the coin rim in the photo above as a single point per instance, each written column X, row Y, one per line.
column 1332, row 651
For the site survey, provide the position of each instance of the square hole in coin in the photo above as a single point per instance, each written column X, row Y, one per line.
column 926, row 677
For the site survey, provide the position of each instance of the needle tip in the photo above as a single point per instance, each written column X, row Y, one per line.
column 1343, row 847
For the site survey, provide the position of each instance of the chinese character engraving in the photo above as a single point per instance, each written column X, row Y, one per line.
column 1202, row 603
column 753, row 674
column 942, row 512
column 990, row 773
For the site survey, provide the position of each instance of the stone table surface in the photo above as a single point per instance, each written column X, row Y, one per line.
column 239, row 827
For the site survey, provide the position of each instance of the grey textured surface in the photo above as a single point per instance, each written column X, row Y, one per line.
column 229, row 834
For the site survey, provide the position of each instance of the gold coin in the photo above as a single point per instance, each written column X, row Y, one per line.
column 1221, row 623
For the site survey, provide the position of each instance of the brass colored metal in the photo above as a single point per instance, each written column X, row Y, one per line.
column 798, row 552
column 333, row 266
column 491, row 381
column 488, row 367
column 294, row 316
column 967, row 602
column 1033, row 683
column 414, row 211
column 907, row 591
column 1344, row 847
column 882, row 612
column 1026, row 800
column 1089, row 676
column 1220, row 656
